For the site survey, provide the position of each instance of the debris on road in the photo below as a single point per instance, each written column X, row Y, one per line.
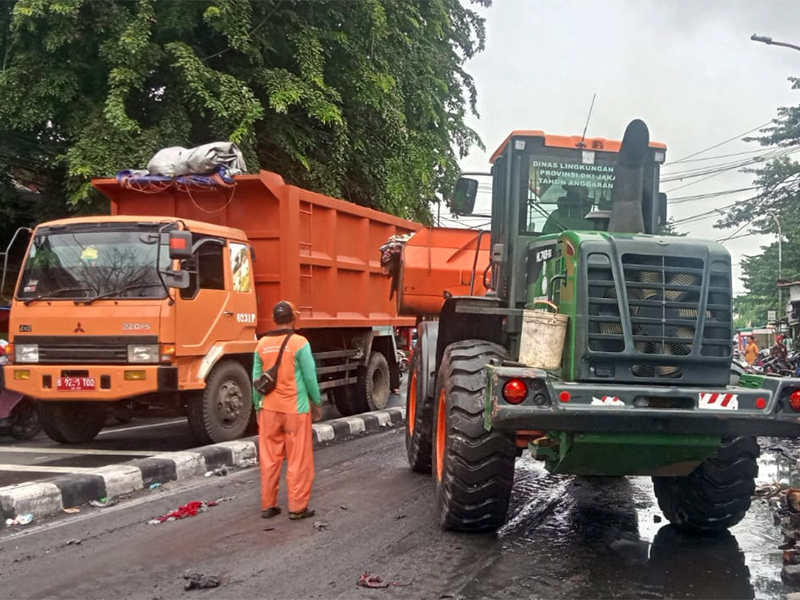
column 74, row 543
column 155, row 486
column 784, row 502
column 220, row 472
column 20, row 520
column 103, row 502
column 198, row 581
column 246, row 464
column 72, row 511
column 320, row 525
column 371, row 581
column 190, row 509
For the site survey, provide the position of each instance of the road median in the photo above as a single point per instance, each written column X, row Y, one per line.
column 50, row 497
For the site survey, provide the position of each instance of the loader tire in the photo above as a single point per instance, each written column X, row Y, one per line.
column 419, row 420
column 221, row 412
column 716, row 495
column 373, row 387
column 71, row 422
column 473, row 468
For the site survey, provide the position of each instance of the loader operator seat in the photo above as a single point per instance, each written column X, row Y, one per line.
column 570, row 212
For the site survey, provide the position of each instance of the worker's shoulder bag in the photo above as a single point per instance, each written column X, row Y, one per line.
column 268, row 380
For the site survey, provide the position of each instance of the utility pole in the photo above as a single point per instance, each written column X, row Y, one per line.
column 770, row 42
column 781, row 309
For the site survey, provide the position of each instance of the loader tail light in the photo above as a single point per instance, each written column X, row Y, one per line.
column 515, row 391
column 794, row 400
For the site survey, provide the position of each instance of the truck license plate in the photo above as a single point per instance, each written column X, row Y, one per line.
column 74, row 384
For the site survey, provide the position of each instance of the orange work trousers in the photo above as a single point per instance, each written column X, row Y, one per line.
column 285, row 436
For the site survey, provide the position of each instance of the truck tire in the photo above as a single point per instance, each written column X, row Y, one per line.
column 473, row 468
column 221, row 412
column 374, row 386
column 716, row 495
column 419, row 419
column 344, row 398
column 71, row 422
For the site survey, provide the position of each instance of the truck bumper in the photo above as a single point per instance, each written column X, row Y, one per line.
column 111, row 382
column 553, row 405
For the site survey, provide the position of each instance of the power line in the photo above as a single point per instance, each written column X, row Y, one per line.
column 718, row 156
column 709, row 195
column 733, row 139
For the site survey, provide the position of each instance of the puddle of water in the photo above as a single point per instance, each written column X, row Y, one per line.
column 606, row 537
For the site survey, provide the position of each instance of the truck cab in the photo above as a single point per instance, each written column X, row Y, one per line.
column 100, row 314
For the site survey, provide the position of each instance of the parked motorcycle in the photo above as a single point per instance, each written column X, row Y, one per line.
column 402, row 361
column 18, row 416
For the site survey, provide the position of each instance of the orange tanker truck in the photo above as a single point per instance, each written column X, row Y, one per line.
column 155, row 310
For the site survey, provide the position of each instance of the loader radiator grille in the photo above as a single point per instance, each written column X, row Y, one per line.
column 661, row 299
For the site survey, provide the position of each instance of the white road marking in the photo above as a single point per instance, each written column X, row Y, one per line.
column 74, row 451
column 44, row 469
column 172, row 422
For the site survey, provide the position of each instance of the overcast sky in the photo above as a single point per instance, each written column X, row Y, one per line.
column 688, row 68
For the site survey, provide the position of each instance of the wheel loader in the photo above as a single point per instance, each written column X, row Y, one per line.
column 573, row 330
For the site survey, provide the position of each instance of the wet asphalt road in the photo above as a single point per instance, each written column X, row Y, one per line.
column 566, row 538
column 41, row 458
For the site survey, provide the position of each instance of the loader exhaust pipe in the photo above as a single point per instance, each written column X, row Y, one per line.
column 626, row 195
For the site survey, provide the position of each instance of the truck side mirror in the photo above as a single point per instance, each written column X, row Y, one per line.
column 463, row 202
column 176, row 279
column 180, row 244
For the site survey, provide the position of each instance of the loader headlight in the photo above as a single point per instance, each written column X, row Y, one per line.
column 143, row 353
column 26, row 353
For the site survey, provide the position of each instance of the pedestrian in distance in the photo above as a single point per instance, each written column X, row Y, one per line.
column 288, row 401
column 779, row 350
column 751, row 351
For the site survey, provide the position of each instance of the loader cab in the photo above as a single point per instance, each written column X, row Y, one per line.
column 544, row 184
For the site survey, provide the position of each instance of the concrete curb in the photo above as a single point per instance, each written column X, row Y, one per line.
column 51, row 496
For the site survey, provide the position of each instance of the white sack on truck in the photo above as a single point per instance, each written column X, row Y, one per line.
column 201, row 160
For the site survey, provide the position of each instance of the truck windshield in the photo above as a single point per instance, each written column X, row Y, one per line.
column 564, row 186
column 72, row 264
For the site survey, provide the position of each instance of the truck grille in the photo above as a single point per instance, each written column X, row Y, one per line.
column 73, row 350
column 663, row 299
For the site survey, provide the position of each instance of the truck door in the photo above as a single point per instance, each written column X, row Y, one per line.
column 241, row 313
column 202, row 307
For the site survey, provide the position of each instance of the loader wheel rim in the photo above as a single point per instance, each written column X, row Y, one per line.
column 441, row 432
column 411, row 417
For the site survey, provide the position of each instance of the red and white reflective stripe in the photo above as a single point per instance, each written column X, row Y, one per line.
column 718, row 401
column 607, row 401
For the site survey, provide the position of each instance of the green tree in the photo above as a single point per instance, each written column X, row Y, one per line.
column 778, row 182
column 364, row 99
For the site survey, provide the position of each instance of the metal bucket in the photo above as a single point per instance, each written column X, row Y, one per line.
column 542, row 340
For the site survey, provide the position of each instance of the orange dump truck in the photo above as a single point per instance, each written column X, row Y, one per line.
column 155, row 310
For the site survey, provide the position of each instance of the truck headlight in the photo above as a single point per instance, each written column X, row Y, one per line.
column 26, row 353
column 144, row 353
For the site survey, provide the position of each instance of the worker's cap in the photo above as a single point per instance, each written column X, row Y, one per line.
column 284, row 312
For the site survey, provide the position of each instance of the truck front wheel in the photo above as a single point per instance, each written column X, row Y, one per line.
column 716, row 495
column 71, row 422
column 221, row 412
column 473, row 468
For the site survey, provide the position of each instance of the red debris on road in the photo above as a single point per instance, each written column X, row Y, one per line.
column 190, row 509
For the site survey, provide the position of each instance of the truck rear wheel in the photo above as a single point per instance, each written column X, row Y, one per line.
column 344, row 398
column 473, row 468
column 716, row 495
column 71, row 422
column 373, row 387
column 221, row 412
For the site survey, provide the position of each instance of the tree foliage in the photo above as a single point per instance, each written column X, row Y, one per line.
column 776, row 203
column 364, row 99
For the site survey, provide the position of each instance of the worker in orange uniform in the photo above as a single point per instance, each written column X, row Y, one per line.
column 751, row 351
column 285, row 415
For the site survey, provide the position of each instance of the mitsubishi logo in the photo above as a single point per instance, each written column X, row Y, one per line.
column 78, row 328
